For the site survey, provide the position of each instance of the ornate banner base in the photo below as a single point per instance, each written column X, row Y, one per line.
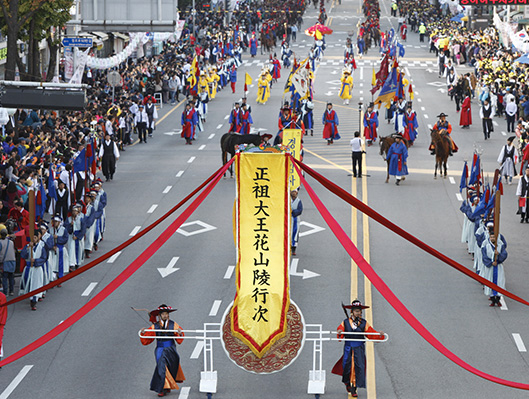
column 281, row 354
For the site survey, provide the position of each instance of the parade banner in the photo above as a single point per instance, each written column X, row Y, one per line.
column 390, row 297
column 258, row 315
column 292, row 140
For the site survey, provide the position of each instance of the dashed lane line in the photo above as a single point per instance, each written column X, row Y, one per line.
column 167, row 189
column 198, row 348
column 452, row 180
column 459, row 197
column 229, row 272
column 184, row 393
column 519, row 342
column 211, row 135
column 17, row 380
column 114, row 257
column 190, row 160
column 201, row 147
column 135, row 231
column 89, row 289
column 180, row 173
column 215, row 308
column 152, row 208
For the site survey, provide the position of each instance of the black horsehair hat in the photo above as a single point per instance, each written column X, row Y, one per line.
column 356, row 304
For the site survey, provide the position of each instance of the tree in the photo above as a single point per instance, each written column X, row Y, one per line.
column 45, row 24
column 16, row 14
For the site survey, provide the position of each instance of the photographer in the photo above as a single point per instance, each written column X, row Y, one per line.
column 7, row 263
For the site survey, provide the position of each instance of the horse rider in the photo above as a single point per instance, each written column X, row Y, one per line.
column 444, row 127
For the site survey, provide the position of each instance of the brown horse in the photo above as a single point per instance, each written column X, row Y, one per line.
column 268, row 44
column 385, row 143
column 441, row 143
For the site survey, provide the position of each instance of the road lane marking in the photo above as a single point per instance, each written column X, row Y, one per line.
column 368, row 296
column 519, row 342
column 495, row 123
column 425, row 116
column 219, row 126
column 18, row 379
column 430, row 126
column 179, row 174
column 503, row 304
column 452, row 180
column 215, row 308
column 211, row 136
column 423, row 109
column 114, row 257
column 152, row 208
column 419, row 100
column 229, row 272
column 198, row 348
column 191, row 159
column 167, row 189
column 354, row 239
column 505, row 134
column 201, row 147
column 89, row 289
column 226, row 117
column 361, row 73
column 184, row 393
column 459, row 197
column 135, row 231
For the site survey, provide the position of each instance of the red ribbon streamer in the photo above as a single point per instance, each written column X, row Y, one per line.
column 123, row 276
column 120, row 247
column 338, row 191
column 386, row 292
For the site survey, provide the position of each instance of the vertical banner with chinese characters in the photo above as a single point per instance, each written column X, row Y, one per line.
column 292, row 140
column 262, row 233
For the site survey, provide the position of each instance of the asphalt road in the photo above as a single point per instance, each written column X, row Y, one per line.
column 101, row 357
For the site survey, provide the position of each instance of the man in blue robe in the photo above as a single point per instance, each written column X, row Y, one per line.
column 397, row 158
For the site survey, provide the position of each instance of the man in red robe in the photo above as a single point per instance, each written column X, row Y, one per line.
column 465, row 119
column 189, row 120
column 330, row 125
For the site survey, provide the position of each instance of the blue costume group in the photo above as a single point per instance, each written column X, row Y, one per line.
column 397, row 158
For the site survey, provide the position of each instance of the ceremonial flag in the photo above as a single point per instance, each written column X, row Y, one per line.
column 389, row 90
column 52, row 192
column 374, row 78
column 258, row 315
column 40, row 200
column 382, row 74
column 79, row 163
column 410, row 91
column 482, row 205
column 301, row 79
column 475, row 171
column 400, row 88
column 464, row 176
column 247, row 81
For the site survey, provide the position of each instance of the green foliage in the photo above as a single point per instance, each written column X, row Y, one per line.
column 55, row 13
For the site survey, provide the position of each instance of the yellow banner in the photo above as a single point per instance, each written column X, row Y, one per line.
column 263, row 215
column 292, row 140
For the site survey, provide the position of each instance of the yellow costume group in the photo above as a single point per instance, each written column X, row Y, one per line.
column 263, row 89
column 346, row 92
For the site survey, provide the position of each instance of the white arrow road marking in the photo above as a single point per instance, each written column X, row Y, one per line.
column 442, row 90
column 184, row 392
column 89, row 289
column 18, row 379
column 114, row 257
column 215, row 308
column 305, row 274
column 152, row 208
column 519, row 342
column 170, row 268
column 173, row 133
column 229, row 272
column 313, row 228
column 198, row 349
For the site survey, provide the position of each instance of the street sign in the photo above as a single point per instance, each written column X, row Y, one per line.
column 77, row 42
column 114, row 78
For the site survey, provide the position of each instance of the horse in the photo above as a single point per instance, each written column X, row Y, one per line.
column 441, row 143
column 267, row 43
column 385, row 143
column 228, row 141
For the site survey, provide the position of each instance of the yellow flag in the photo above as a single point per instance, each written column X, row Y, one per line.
column 258, row 315
column 248, row 79
column 374, row 78
column 292, row 140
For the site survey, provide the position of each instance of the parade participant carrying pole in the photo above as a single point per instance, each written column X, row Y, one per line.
column 168, row 370
column 31, row 200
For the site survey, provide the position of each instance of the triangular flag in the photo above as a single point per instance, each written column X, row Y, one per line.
column 374, row 78
column 247, row 81
column 410, row 90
